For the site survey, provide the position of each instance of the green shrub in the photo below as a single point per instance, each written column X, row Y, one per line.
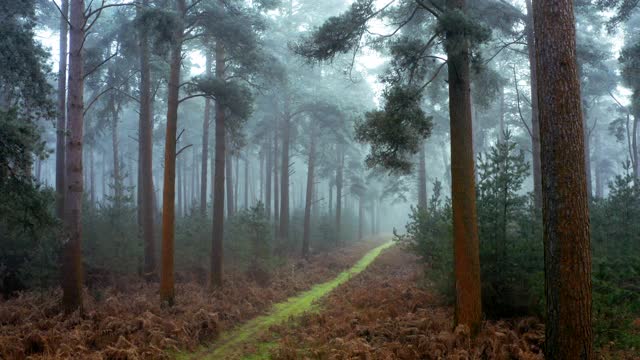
column 509, row 231
column 428, row 235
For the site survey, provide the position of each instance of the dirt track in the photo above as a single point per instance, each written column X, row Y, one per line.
column 381, row 314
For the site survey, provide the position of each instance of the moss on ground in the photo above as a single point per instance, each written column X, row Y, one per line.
column 249, row 333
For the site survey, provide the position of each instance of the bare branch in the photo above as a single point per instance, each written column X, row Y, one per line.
column 402, row 24
column 435, row 75
column 99, row 65
column 505, row 46
column 96, row 98
column 183, row 149
column 432, row 11
column 64, row 16
column 103, row 7
column 515, row 80
column 191, row 97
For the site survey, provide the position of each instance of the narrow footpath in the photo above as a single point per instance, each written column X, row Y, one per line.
column 248, row 340
column 383, row 314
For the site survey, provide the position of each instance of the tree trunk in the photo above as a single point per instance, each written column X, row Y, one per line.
column 146, row 156
column 446, row 164
column 276, row 185
column 179, row 176
column 117, row 181
column 373, row 218
column 339, row 181
column 229, row 172
column 308, row 200
column 236, row 184
column 565, row 203
column 587, row 162
column 167, row 289
column 246, row 181
column 463, row 194
column 360, row 218
column 284, row 180
column 215, row 279
column 72, row 250
column 61, row 125
column 535, row 117
column 330, row 205
column 422, row 179
column 501, row 127
column 634, row 146
column 269, row 166
column 205, row 143
column 261, row 179
column 92, row 179
column 599, row 170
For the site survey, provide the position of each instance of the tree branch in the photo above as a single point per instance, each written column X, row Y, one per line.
column 64, row 16
column 432, row 78
column 183, row 149
column 515, row 80
column 92, row 102
column 402, row 24
column 433, row 12
column 99, row 65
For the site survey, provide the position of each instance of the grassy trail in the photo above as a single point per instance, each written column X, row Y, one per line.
column 230, row 344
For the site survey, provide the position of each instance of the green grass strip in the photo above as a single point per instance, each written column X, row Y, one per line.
column 293, row 307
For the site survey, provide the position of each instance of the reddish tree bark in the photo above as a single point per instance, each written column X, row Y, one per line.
column 565, row 203
column 61, row 125
column 283, row 232
column 217, row 236
column 463, row 194
column 146, row 156
column 72, row 251
column 269, row 166
column 229, row 178
column 167, row 286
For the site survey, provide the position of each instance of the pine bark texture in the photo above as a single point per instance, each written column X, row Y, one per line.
column 146, row 155
column 61, row 124
column 465, row 227
column 229, row 176
column 205, row 144
column 215, row 279
column 167, row 284
column 283, row 232
column 269, row 166
column 564, row 188
column 72, row 248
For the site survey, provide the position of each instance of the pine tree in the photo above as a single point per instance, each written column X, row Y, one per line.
column 565, row 200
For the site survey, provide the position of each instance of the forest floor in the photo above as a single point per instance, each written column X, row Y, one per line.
column 383, row 314
column 126, row 322
column 361, row 302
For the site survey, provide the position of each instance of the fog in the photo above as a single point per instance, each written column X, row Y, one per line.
column 220, row 157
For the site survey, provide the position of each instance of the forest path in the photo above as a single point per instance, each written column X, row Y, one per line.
column 248, row 338
column 384, row 313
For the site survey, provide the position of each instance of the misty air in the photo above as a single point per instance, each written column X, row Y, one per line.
column 331, row 180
